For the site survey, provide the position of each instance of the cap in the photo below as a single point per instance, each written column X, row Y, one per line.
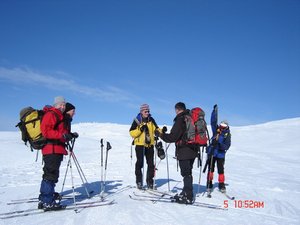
column 69, row 107
column 180, row 106
column 224, row 123
column 144, row 107
column 58, row 100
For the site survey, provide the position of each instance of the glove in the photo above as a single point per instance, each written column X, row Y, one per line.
column 164, row 129
column 157, row 133
column 75, row 135
column 67, row 137
column 214, row 142
column 144, row 128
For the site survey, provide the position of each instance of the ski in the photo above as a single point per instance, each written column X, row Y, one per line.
column 125, row 188
column 209, row 192
column 228, row 196
column 158, row 193
column 153, row 196
column 32, row 200
column 169, row 200
column 34, row 209
column 83, row 197
column 35, row 199
column 28, row 212
column 166, row 198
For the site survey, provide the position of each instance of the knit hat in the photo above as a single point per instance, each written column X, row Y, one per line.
column 180, row 106
column 58, row 100
column 224, row 123
column 144, row 107
column 69, row 107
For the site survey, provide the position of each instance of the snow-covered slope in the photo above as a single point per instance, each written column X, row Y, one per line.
column 261, row 166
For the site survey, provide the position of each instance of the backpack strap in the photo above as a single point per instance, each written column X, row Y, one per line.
column 58, row 121
column 153, row 121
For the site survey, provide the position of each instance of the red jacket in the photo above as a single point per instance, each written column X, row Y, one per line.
column 53, row 128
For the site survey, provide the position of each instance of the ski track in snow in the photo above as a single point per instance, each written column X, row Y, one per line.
column 262, row 165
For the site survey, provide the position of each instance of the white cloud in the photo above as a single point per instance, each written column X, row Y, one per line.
column 26, row 75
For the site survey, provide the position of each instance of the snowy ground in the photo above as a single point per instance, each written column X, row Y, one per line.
column 262, row 165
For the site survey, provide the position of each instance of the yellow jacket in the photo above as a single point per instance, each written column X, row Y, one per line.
column 139, row 136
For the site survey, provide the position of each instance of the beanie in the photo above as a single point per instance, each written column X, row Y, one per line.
column 58, row 100
column 224, row 123
column 69, row 107
column 180, row 106
column 144, row 107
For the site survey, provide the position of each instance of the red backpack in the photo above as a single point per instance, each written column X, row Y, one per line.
column 196, row 128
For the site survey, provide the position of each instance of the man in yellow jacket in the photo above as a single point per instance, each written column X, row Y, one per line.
column 142, row 130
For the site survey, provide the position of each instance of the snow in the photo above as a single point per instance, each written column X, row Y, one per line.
column 262, row 166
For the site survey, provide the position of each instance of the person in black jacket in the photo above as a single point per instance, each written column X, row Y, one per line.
column 185, row 154
column 68, row 115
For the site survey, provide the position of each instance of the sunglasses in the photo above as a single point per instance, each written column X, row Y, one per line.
column 222, row 127
column 147, row 111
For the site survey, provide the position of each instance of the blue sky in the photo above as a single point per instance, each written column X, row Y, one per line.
column 109, row 57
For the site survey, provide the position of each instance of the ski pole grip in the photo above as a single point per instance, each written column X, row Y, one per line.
column 108, row 146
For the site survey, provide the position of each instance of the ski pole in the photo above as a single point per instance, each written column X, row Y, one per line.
column 37, row 156
column 80, row 171
column 108, row 147
column 69, row 148
column 168, row 166
column 131, row 152
column 211, row 159
column 101, row 186
column 199, row 183
column 155, row 166
column 72, row 179
column 68, row 164
column 143, row 171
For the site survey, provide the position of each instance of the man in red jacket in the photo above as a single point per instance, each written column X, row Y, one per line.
column 54, row 131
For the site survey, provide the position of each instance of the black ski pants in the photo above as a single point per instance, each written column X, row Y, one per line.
column 220, row 165
column 51, row 167
column 186, row 167
column 149, row 154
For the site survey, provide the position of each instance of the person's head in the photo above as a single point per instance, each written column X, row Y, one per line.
column 145, row 110
column 224, row 125
column 179, row 107
column 70, row 109
column 59, row 103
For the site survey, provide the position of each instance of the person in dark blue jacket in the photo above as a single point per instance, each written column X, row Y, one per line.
column 220, row 144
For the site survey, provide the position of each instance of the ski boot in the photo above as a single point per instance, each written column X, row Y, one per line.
column 182, row 198
column 222, row 187
column 53, row 206
column 139, row 185
column 57, row 197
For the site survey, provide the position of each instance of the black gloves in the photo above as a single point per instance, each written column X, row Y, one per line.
column 214, row 142
column 75, row 135
column 67, row 137
column 164, row 129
